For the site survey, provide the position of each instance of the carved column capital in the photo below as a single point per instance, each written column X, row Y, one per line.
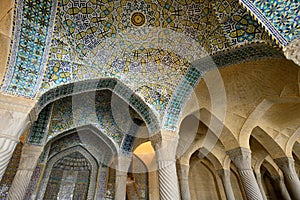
column 223, row 173
column 16, row 114
column 166, row 147
column 29, row 158
column 241, row 157
column 286, row 164
column 123, row 163
column 292, row 51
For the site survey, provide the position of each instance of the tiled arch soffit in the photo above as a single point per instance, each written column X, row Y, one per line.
column 72, row 42
column 112, row 84
column 74, row 138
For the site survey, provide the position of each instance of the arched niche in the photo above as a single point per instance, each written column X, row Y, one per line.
column 55, row 161
column 202, row 179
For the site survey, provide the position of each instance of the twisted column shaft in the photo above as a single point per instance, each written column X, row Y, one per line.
column 259, row 182
column 7, row 146
column 291, row 179
column 165, row 154
column 282, row 188
column 168, row 182
column 225, row 177
column 28, row 162
column 241, row 157
column 15, row 114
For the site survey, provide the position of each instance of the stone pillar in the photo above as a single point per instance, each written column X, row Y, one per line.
column 225, row 177
column 291, row 179
column 183, row 175
column 15, row 118
column 241, row 157
column 28, row 162
column 292, row 51
column 281, row 186
column 165, row 150
column 7, row 146
column 259, row 182
column 121, row 176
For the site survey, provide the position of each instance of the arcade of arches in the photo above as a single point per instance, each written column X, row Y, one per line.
column 150, row 99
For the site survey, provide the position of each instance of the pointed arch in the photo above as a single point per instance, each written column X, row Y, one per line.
column 291, row 142
column 271, row 166
column 272, row 147
column 219, row 129
column 112, row 84
column 91, row 131
column 54, row 159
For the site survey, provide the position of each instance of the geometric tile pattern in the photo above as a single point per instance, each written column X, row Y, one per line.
column 88, row 109
column 71, row 170
column 102, row 182
column 73, row 160
column 98, row 40
column 28, row 57
column 34, row 181
column 63, row 143
column 39, row 129
column 280, row 17
column 111, row 84
column 66, row 42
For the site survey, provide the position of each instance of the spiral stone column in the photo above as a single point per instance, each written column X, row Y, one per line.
column 279, row 180
column 165, row 150
column 291, row 179
column 183, row 175
column 15, row 118
column 259, row 182
column 241, row 157
column 29, row 158
column 225, row 177
column 7, row 146
column 121, row 176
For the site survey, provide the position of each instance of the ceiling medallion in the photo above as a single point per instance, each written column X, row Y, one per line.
column 138, row 19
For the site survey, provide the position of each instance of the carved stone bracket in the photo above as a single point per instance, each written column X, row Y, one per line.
column 241, row 157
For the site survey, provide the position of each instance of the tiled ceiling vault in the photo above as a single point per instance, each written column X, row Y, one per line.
column 281, row 17
column 92, row 109
column 149, row 45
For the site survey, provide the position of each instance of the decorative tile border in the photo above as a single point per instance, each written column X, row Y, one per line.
column 30, row 48
column 270, row 19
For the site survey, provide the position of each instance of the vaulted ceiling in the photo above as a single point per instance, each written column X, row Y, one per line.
column 156, row 48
